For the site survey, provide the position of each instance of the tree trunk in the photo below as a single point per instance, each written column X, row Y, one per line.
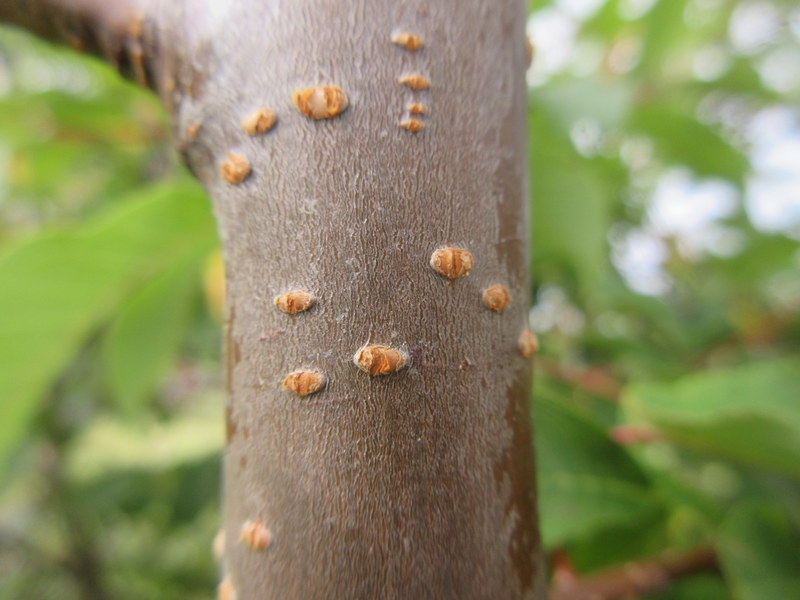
column 418, row 482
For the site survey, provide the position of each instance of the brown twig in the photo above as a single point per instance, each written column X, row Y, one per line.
column 595, row 380
column 636, row 577
column 628, row 435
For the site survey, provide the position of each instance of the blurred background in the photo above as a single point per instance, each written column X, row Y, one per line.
column 665, row 161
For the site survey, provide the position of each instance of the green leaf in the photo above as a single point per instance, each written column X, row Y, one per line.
column 568, row 441
column 742, row 77
column 571, row 206
column 97, row 122
column 57, row 287
column 695, row 587
column 664, row 29
column 682, row 139
column 605, row 101
column 759, row 551
column 112, row 444
column 749, row 413
column 574, row 506
column 143, row 340
column 586, row 481
column 605, row 23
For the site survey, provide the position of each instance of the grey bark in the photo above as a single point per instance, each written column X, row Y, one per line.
column 417, row 484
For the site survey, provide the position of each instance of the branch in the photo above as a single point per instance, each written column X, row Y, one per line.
column 595, row 380
column 635, row 578
column 628, row 435
column 120, row 31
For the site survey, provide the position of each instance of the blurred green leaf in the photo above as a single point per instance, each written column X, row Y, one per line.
column 605, row 23
column 58, row 116
column 684, row 140
column 759, row 551
column 145, row 336
column 664, row 30
column 586, row 481
column 179, row 489
column 573, row 506
column 697, row 587
column 749, row 413
column 58, row 169
column 571, row 213
column 154, row 527
column 741, row 77
column 590, row 452
column 60, row 285
column 145, row 446
column 763, row 255
column 607, row 102
column 624, row 540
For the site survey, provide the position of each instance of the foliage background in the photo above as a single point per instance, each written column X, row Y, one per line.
column 665, row 161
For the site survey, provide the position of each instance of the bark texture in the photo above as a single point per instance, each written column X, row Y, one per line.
column 416, row 484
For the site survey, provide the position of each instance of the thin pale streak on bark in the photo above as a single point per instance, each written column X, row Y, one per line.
column 633, row 579
column 115, row 30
